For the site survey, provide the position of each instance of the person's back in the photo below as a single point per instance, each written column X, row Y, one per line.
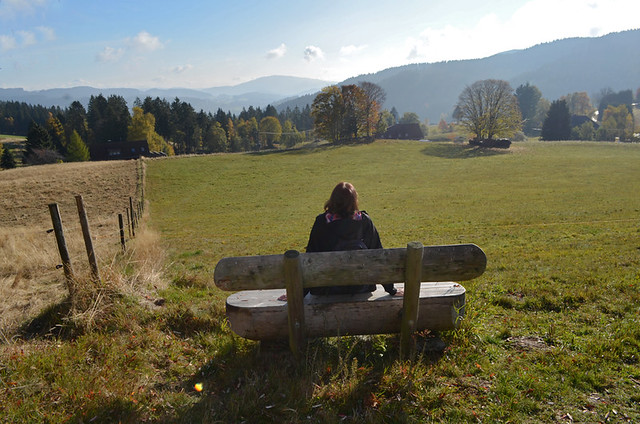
column 342, row 226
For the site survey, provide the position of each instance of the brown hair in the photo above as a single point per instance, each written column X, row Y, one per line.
column 343, row 200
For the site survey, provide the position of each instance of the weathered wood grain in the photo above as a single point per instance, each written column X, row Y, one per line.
column 411, row 304
column 459, row 262
column 259, row 315
column 293, row 280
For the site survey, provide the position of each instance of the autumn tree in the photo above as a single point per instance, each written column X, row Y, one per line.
column 214, row 139
column 142, row 127
column 56, row 131
column 77, row 151
column 624, row 97
column 374, row 97
column 270, row 131
column 290, row 135
column 247, row 131
column 352, row 112
column 579, row 103
column 161, row 110
column 327, row 111
column 489, row 109
column 557, row 124
column 616, row 122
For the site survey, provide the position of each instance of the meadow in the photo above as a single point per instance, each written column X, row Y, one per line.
column 29, row 279
column 551, row 332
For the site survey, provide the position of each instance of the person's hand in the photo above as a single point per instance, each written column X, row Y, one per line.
column 283, row 297
column 399, row 293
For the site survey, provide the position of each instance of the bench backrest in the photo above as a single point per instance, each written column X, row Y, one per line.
column 458, row 262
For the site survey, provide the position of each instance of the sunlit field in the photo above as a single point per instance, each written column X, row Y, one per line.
column 29, row 280
column 551, row 333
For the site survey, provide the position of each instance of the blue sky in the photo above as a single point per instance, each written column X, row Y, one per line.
column 200, row 44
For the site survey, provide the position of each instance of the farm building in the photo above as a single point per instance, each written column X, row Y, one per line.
column 404, row 132
column 116, row 150
column 577, row 120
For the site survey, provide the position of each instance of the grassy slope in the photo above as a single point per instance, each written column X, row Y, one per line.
column 558, row 223
column 552, row 331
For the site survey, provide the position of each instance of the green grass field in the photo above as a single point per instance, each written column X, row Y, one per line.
column 552, row 331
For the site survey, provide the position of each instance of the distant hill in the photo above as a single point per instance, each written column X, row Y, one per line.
column 557, row 68
column 429, row 89
column 258, row 92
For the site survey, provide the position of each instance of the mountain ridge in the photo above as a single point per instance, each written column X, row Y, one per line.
column 431, row 90
column 258, row 92
column 557, row 68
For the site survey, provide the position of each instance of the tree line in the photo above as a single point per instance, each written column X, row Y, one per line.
column 486, row 109
column 55, row 134
column 491, row 108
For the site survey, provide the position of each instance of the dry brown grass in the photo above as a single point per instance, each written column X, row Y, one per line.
column 29, row 280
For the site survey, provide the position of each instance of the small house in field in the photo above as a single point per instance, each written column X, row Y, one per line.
column 404, row 132
column 119, row 150
column 577, row 120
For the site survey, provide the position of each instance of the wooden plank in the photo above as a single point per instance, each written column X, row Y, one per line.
column 259, row 315
column 459, row 262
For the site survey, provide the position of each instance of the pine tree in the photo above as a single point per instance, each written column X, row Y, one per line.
column 557, row 124
column 7, row 161
column 77, row 151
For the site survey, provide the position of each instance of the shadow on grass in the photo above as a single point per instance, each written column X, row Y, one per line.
column 460, row 151
column 309, row 148
column 50, row 323
column 336, row 378
column 108, row 411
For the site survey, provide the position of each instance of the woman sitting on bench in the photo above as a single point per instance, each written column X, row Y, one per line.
column 342, row 226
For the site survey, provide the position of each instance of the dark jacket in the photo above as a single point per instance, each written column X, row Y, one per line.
column 328, row 231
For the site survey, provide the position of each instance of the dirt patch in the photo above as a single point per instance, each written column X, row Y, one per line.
column 29, row 279
column 529, row 343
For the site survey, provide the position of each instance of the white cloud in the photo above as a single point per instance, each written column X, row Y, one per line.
column 110, row 54
column 181, row 69
column 278, row 52
column 312, row 53
column 351, row 49
column 47, row 33
column 536, row 21
column 141, row 43
column 7, row 42
column 28, row 38
column 145, row 42
column 12, row 8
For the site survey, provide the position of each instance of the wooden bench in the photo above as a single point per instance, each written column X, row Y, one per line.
column 428, row 275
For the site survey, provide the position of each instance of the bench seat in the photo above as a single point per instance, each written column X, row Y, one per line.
column 259, row 315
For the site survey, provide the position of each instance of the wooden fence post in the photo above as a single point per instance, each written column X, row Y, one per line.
column 121, row 226
column 62, row 248
column 128, row 221
column 411, row 301
column 295, row 305
column 133, row 225
column 88, row 242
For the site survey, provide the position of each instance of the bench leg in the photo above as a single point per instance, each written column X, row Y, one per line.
column 413, row 278
column 295, row 306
